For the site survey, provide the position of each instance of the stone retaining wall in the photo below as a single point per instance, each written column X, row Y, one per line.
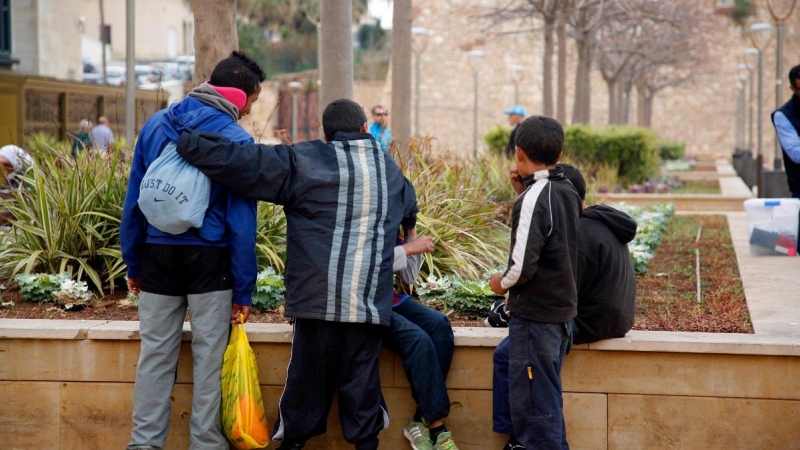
column 69, row 385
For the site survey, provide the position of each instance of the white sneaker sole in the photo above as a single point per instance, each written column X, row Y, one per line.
column 410, row 439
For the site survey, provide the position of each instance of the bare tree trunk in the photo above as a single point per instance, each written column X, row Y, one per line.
column 648, row 110
column 547, row 67
column 103, row 41
column 613, row 101
column 401, row 71
column 626, row 104
column 215, row 35
column 640, row 103
column 561, row 101
column 582, row 108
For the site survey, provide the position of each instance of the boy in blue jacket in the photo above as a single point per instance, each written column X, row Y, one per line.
column 211, row 269
column 541, row 282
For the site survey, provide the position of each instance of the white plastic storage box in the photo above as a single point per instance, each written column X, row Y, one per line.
column 773, row 224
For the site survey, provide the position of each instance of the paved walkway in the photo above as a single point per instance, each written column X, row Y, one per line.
column 771, row 284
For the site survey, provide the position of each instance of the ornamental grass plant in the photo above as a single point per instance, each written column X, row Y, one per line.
column 66, row 217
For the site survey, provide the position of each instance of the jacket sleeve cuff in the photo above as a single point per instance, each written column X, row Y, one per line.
column 134, row 272
column 187, row 138
column 242, row 299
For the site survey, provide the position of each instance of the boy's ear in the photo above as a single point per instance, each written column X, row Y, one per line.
column 559, row 157
column 364, row 127
column 519, row 154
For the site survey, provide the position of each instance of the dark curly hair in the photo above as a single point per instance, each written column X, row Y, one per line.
column 541, row 138
column 238, row 71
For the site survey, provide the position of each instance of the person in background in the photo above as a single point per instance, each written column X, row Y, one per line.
column 13, row 162
column 515, row 115
column 379, row 128
column 102, row 136
column 83, row 138
column 787, row 124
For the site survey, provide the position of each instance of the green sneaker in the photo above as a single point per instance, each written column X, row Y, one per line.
column 445, row 442
column 419, row 436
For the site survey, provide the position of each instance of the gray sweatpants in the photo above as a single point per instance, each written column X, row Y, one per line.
column 161, row 323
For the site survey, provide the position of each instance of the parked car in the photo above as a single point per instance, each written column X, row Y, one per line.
column 115, row 75
column 145, row 74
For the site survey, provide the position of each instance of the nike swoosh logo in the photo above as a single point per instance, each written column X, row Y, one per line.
column 157, row 200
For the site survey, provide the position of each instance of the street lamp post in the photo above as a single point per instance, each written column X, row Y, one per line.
column 779, row 19
column 294, row 87
column 760, row 33
column 419, row 43
column 517, row 72
column 739, row 135
column 473, row 56
column 749, row 102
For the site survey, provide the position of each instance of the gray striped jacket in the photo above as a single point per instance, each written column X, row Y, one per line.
column 344, row 202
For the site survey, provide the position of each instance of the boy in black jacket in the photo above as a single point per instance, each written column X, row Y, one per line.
column 541, row 281
column 606, row 292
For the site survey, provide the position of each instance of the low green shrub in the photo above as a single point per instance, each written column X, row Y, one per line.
column 671, row 150
column 469, row 299
column 497, row 139
column 269, row 291
column 632, row 150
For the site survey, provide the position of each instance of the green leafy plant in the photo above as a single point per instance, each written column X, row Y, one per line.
column 469, row 299
column 670, row 150
column 269, row 291
column 497, row 139
column 66, row 218
column 271, row 237
column 632, row 150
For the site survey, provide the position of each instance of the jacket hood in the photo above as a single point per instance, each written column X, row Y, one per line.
column 189, row 113
column 621, row 224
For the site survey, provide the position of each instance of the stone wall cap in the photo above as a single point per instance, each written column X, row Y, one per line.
column 636, row 341
column 47, row 329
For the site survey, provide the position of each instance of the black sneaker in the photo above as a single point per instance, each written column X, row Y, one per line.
column 497, row 316
column 513, row 445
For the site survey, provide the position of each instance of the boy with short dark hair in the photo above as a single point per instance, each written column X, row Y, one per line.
column 210, row 270
column 541, row 281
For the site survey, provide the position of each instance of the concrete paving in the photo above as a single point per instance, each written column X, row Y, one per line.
column 771, row 284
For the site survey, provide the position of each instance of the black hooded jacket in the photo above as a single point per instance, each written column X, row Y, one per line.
column 606, row 281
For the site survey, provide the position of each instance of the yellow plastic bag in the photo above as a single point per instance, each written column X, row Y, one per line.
column 243, row 419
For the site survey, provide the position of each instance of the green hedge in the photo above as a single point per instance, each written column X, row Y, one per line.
column 497, row 138
column 633, row 150
column 671, row 150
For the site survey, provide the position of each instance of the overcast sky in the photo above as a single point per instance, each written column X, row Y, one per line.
column 382, row 9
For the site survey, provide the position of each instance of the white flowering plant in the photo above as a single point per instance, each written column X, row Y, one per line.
column 49, row 288
column 651, row 222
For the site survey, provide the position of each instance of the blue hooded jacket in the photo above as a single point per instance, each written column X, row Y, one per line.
column 230, row 220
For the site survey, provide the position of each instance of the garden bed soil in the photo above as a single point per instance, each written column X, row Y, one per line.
column 115, row 307
column 667, row 293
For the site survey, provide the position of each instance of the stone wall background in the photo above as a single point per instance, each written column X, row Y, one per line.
column 701, row 114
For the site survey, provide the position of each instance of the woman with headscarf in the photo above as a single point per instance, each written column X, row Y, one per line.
column 14, row 161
